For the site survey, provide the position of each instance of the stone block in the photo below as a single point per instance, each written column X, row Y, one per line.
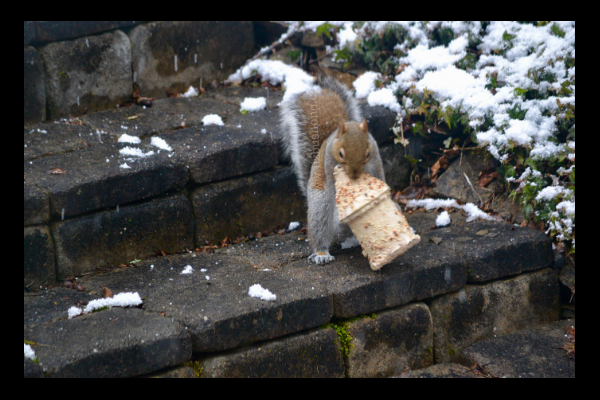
column 311, row 355
column 51, row 305
column 44, row 140
column 452, row 371
column 169, row 56
column 266, row 32
column 533, row 353
column 247, row 205
column 495, row 250
column 32, row 370
column 110, row 344
column 424, row 272
column 87, row 74
column 452, row 184
column 39, row 265
column 423, row 222
column 390, row 343
column 28, row 32
column 381, row 121
column 111, row 238
column 484, row 311
column 94, row 179
column 34, row 87
column 396, row 167
column 36, row 207
column 213, row 302
column 55, row 31
column 215, row 153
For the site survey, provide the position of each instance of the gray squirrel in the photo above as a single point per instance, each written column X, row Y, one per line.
column 322, row 128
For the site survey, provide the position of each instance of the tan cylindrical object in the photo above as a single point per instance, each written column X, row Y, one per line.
column 366, row 205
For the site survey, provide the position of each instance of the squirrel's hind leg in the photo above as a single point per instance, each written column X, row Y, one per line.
column 322, row 224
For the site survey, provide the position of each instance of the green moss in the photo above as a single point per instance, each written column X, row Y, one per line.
column 342, row 330
column 100, row 309
column 451, row 351
column 63, row 75
column 196, row 366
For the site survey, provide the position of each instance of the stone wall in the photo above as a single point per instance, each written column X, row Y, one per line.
column 76, row 67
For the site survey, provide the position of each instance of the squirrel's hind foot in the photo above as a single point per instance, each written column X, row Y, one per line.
column 321, row 257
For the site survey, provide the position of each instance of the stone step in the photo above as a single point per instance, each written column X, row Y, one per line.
column 532, row 353
column 212, row 306
column 449, row 371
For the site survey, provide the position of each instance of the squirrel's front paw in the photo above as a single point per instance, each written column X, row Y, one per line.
column 321, row 257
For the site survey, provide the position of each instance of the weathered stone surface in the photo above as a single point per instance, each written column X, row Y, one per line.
column 397, row 169
column 312, row 355
column 51, row 305
column 34, row 87
column 511, row 251
column 452, row 184
column 111, row 238
column 567, row 277
column 177, row 373
column 218, row 311
column 169, row 56
column 54, row 31
column 423, row 222
column 32, row 370
column 425, row 271
column 247, row 205
column 110, row 344
column 532, row 353
column 36, row 207
column 484, row 311
column 215, row 153
column 454, row 371
column 94, row 179
column 87, row 74
column 48, row 139
column 312, row 39
column 391, row 342
column 28, row 32
column 380, row 120
column 39, row 265
column 266, row 32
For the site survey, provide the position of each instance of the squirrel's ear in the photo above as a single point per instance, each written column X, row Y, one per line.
column 342, row 130
column 363, row 126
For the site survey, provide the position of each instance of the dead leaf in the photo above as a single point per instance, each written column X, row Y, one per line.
column 478, row 370
column 225, row 242
column 57, row 171
column 486, row 177
column 133, row 117
column 492, row 235
column 107, row 293
column 122, row 266
column 482, row 233
column 571, row 334
column 441, row 165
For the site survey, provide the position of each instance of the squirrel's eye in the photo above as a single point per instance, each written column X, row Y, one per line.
column 342, row 153
column 368, row 154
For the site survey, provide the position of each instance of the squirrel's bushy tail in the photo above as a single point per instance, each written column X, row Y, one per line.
column 295, row 124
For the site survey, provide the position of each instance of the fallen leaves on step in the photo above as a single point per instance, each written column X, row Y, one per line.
column 479, row 370
column 570, row 347
column 106, row 293
column 57, row 171
column 486, row 177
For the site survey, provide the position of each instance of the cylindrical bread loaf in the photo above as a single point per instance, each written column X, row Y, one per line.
column 366, row 205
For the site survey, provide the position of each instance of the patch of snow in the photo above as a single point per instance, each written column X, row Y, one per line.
column 254, row 104
column 260, row 293
column 384, row 97
column 293, row 226
column 470, row 209
column 28, row 351
column 188, row 270
column 135, row 152
column 443, row 220
column 125, row 138
column 74, row 312
column 119, row 300
column 161, row 144
column 365, row 84
column 124, row 166
column 212, row 119
column 192, row 92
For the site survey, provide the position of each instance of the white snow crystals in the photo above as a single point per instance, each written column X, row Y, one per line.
column 293, row 226
column 188, row 270
column 124, row 166
column 125, row 138
column 119, row 300
column 161, row 144
column 471, row 209
column 384, row 97
column 29, row 353
column 131, row 151
column 212, row 119
column 260, row 293
column 254, row 104
column 192, row 92
column 443, row 220
column 365, row 84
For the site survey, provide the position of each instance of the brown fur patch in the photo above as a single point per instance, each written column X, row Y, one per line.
column 323, row 113
column 317, row 180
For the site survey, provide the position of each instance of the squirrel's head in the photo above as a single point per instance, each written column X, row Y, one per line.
column 351, row 147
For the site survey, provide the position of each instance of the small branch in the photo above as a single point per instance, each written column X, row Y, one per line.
column 474, row 191
column 274, row 47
